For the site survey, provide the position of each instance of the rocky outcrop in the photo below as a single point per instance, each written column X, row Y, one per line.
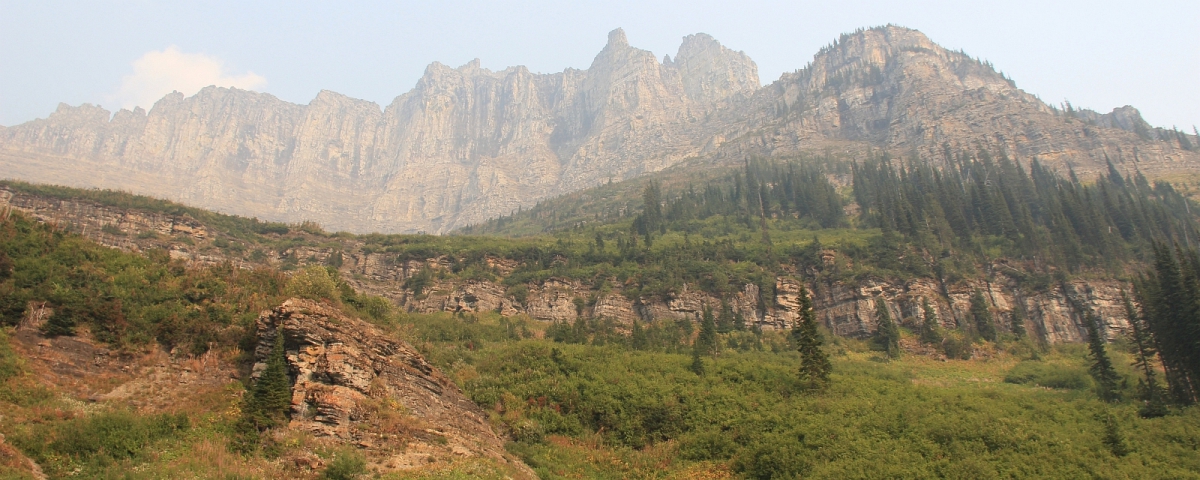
column 847, row 310
column 467, row 144
column 356, row 384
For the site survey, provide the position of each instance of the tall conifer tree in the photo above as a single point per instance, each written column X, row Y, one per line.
column 814, row 362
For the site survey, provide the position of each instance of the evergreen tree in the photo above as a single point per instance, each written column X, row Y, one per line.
column 266, row 403
column 697, row 365
column 814, row 362
column 725, row 320
column 1150, row 392
column 930, row 327
column 637, row 337
column 1113, row 438
column 887, row 334
column 1101, row 368
column 706, row 340
column 1018, row 323
column 272, row 393
column 1170, row 314
column 981, row 316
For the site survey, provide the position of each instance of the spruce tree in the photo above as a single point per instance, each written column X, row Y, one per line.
column 814, row 362
column 1101, row 368
column 1150, row 392
column 266, row 403
column 706, row 340
column 985, row 327
column 725, row 320
column 887, row 334
column 930, row 328
column 1018, row 323
column 637, row 337
column 697, row 366
column 272, row 394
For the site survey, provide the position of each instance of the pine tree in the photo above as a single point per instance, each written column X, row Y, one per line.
column 985, row 327
column 1101, row 368
column 814, row 362
column 1018, row 323
column 706, row 340
column 930, row 327
column 637, row 337
column 725, row 318
column 272, row 393
column 887, row 334
column 697, row 366
column 1149, row 390
column 267, row 402
column 1113, row 438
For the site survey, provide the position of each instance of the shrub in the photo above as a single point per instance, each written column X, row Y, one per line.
column 957, row 346
column 102, row 438
column 346, row 465
column 1051, row 375
column 314, row 283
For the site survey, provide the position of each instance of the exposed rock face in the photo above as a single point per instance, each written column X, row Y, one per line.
column 892, row 87
column 464, row 145
column 467, row 144
column 358, row 385
column 847, row 310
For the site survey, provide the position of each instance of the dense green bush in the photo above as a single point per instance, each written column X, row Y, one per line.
column 346, row 465
column 99, row 439
column 127, row 299
column 1050, row 375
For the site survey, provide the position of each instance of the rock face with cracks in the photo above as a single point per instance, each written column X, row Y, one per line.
column 468, row 144
column 355, row 384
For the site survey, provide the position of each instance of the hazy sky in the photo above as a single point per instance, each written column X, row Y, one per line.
column 1097, row 54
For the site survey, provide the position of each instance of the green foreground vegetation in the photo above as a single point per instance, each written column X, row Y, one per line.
column 673, row 399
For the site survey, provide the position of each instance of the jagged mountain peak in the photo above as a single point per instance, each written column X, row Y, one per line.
column 617, row 39
column 467, row 143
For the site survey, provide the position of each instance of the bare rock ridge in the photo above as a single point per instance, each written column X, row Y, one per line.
column 467, row 144
column 351, row 380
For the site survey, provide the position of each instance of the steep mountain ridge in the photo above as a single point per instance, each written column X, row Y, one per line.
column 464, row 145
column 468, row 144
column 893, row 88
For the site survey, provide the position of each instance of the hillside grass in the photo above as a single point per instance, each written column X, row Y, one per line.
column 586, row 411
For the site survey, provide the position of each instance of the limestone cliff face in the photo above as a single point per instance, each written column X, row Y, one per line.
column 468, row 144
column 464, row 145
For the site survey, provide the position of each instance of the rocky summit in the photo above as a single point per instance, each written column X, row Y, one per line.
column 468, row 144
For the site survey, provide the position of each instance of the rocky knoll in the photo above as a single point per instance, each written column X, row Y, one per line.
column 467, row 144
column 355, row 384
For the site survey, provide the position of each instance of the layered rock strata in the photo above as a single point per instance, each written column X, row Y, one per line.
column 845, row 309
column 356, row 384
column 467, row 144
column 464, row 145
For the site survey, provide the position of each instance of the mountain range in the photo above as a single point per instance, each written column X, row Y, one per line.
column 468, row 144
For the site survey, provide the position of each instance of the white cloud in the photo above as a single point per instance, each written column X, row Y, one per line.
column 158, row 73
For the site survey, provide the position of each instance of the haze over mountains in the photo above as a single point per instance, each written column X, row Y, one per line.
column 468, row 144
